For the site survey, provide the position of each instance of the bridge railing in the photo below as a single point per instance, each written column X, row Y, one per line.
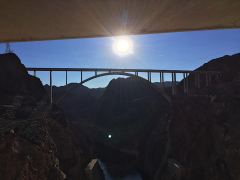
column 187, row 76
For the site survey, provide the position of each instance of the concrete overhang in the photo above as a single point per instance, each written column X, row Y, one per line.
column 30, row 20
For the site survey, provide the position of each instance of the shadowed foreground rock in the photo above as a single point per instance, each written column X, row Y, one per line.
column 36, row 141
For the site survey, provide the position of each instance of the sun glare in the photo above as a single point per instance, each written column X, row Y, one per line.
column 122, row 46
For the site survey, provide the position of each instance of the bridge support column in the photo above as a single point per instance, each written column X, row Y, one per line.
column 95, row 73
column 174, row 83
column 66, row 73
column 136, row 73
column 185, row 83
column 51, row 90
column 81, row 76
column 34, row 73
column 162, row 79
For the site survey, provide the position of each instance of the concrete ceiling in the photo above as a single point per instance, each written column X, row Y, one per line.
column 27, row 20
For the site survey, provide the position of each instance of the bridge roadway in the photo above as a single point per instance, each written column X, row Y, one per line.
column 98, row 72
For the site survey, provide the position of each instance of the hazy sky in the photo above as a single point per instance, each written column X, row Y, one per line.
column 185, row 50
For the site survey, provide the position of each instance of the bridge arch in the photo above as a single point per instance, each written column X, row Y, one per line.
column 111, row 73
column 163, row 93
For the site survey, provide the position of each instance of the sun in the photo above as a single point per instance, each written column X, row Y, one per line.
column 122, row 46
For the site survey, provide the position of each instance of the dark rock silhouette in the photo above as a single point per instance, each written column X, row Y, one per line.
column 128, row 110
column 204, row 128
column 228, row 66
column 36, row 141
column 191, row 137
column 14, row 79
column 76, row 100
column 194, row 138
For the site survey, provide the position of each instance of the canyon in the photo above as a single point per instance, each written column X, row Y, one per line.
column 190, row 137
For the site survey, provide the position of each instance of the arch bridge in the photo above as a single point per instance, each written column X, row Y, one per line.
column 99, row 72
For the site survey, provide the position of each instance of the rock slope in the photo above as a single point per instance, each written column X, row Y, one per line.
column 205, row 128
column 36, row 140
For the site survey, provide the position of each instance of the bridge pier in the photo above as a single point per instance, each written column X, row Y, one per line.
column 51, row 90
column 174, row 92
column 66, row 74
column 162, row 79
column 81, row 76
column 185, row 83
column 149, row 76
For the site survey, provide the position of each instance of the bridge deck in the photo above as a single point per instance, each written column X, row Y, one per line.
column 114, row 69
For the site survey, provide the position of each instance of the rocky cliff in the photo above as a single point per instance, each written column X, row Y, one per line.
column 204, row 129
column 36, row 140
column 190, row 137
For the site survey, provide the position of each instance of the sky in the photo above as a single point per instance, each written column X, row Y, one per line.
column 181, row 50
